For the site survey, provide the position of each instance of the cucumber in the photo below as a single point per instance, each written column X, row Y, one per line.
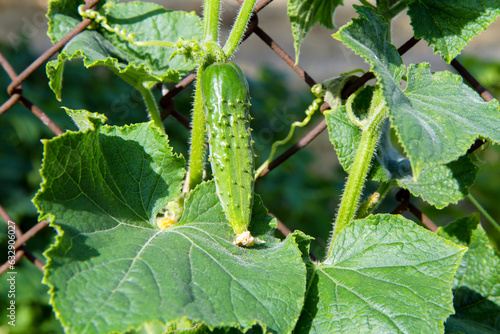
column 226, row 104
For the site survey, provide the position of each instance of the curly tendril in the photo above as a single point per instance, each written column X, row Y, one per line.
column 191, row 49
column 319, row 93
column 103, row 22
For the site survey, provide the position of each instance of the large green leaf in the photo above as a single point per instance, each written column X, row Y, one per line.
column 304, row 14
column 113, row 269
column 437, row 117
column 477, row 281
column 448, row 26
column 63, row 17
column 135, row 64
column 385, row 275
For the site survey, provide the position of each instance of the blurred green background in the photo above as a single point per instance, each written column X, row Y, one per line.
column 303, row 192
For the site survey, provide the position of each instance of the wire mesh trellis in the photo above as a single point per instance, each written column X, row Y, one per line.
column 15, row 91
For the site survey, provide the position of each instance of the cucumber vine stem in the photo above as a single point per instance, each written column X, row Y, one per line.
column 390, row 9
column 210, row 38
column 211, row 12
column 361, row 165
column 239, row 28
column 198, row 135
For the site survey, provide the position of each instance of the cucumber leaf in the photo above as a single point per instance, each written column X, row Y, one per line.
column 367, row 36
column 304, row 14
column 385, row 275
column 344, row 135
column 437, row 117
column 112, row 269
column 439, row 185
column 137, row 65
column 449, row 26
column 476, row 286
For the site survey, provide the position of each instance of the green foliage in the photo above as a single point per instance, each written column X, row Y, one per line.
column 104, row 207
column 137, row 65
column 435, row 117
column 107, row 189
column 368, row 36
column 438, row 185
column 476, row 286
column 449, row 26
column 442, row 185
column 85, row 120
column 304, row 14
column 437, row 121
column 374, row 260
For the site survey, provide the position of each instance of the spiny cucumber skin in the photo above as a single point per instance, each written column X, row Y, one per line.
column 226, row 103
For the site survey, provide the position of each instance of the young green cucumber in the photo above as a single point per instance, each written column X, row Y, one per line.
column 226, row 102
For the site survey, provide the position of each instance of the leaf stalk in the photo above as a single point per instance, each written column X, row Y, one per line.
column 152, row 106
column 484, row 212
column 240, row 25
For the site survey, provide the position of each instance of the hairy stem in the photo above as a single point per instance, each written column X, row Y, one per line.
column 154, row 112
column 211, row 10
column 239, row 28
column 197, row 152
column 361, row 165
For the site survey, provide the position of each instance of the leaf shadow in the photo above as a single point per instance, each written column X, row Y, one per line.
column 138, row 18
column 95, row 184
column 473, row 312
column 73, row 247
column 464, row 172
column 310, row 309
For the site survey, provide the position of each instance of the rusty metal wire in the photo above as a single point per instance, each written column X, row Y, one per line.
column 15, row 90
column 403, row 196
column 21, row 239
column 17, row 80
